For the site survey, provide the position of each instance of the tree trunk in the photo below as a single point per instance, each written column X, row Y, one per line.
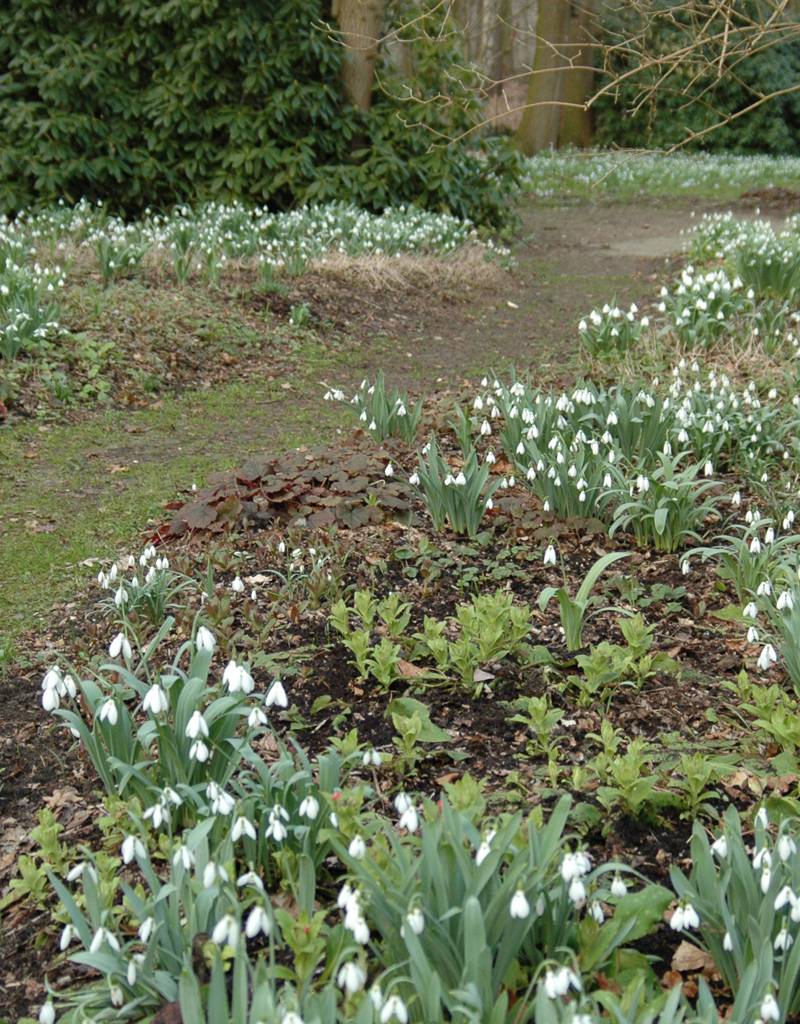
column 576, row 122
column 538, row 128
column 360, row 24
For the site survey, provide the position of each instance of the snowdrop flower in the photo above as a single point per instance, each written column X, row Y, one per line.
column 785, row 601
column 204, row 640
column 761, row 858
column 371, row 757
column 351, row 977
column 276, row 695
column 309, row 808
column 766, row 878
column 685, row 567
column 196, row 726
column 414, row 479
column 684, row 917
column 103, row 935
column 256, row 718
column 762, row 818
column 257, row 921
column 133, row 847
column 755, row 546
column 226, row 931
column 485, row 847
column 767, row 658
column 120, row 644
column 292, row 1018
column 769, row 1008
column 574, row 865
column 519, row 907
column 213, row 873
column 460, row 480
column 750, row 611
column 577, row 891
column 736, row 499
column 47, row 1013
column 618, row 887
column 243, row 827
column 752, row 635
column 357, row 848
column 549, row 555
column 238, row 585
column 276, row 829
column 485, row 428
column 146, row 929
column 409, row 819
column 221, row 802
column 764, row 589
column 596, row 911
column 67, row 935
column 394, row 1009
column 783, row 940
column 557, row 983
column 720, row 847
column 416, row 920
column 108, row 712
column 786, row 847
column 155, row 700
column 727, row 943
column 389, row 471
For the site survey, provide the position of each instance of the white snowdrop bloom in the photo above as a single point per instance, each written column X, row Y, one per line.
column 764, row 589
column 276, row 695
column 226, row 931
column 309, row 807
column 47, row 1013
column 786, row 847
column 618, row 887
column 549, row 555
column 402, row 802
column 596, row 911
column 132, row 848
column 414, row 479
column 120, row 645
column 519, row 907
column 784, row 898
column 752, row 635
column 577, row 891
column 769, row 1009
column 238, row 585
column 108, row 712
column 761, row 858
column 258, row 921
column 755, row 546
column 196, row 726
column 727, row 942
column 155, row 700
column 357, row 848
column 750, row 611
column 409, row 820
column 415, row 919
column 220, row 801
column 491, row 458
column 256, row 718
column 204, row 640
column 394, row 1009
column 389, row 470
column 485, row 429
column 767, row 658
column 766, row 878
column 351, row 977
column 720, row 847
column 684, row 917
column 243, row 827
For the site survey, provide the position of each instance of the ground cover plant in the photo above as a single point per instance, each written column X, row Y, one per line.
column 419, row 726
column 78, row 287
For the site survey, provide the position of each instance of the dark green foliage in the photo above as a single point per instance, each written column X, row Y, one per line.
column 150, row 102
column 688, row 102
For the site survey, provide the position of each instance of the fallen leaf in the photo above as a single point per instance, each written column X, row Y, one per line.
column 688, row 957
column 409, row 671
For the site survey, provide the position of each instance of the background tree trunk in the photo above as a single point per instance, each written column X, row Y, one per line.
column 360, row 24
column 539, row 126
column 576, row 124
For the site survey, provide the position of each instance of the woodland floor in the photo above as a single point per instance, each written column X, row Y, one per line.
column 80, row 486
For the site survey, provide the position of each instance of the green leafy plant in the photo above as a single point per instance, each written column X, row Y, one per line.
column 574, row 609
column 458, row 500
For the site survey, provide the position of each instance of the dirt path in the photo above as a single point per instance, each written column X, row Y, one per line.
column 72, row 493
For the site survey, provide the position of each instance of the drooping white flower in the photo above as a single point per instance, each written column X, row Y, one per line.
column 618, row 887
column 243, row 827
column 309, row 807
column 108, row 712
column 357, row 848
column 727, row 942
column 720, row 847
column 204, row 640
column 684, row 917
column 226, row 931
column 769, row 1008
column 519, row 907
column 196, row 726
column 47, row 1013
column 276, row 695
column 257, row 921
column 767, row 658
column 389, row 471
column 786, row 847
column 549, row 555
column 155, row 700
column 416, row 920
column 351, row 977
column 394, row 1009
column 238, row 584
column 132, row 847
column 119, row 645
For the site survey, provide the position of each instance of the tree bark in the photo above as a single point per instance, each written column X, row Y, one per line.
column 576, row 123
column 360, row 24
column 539, row 126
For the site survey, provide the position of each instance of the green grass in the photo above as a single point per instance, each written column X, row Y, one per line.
column 75, row 492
